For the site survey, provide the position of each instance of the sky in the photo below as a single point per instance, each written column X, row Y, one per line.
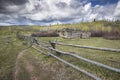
column 50, row 12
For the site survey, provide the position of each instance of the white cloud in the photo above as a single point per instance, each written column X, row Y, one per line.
column 50, row 10
column 117, row 10
column 5, row 24
column 87, row 7
column 101, row 12
column 61, row 11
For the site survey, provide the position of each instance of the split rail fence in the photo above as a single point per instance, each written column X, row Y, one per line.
column 52, row 48
column 49, row 47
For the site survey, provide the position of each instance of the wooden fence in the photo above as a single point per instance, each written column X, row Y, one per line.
column 65, row 62
column 88, row 47
column 49, row 47
column 53, row 48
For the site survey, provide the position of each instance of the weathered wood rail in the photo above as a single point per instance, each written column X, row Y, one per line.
column 75, row 67
column 82, row 58
column 39, row 50
column 49, row 50
column 67, row 63
column 88, row 47
column 87, row 60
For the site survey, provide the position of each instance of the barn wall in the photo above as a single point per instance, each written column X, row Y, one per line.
column 86, row 35
column 74, row 34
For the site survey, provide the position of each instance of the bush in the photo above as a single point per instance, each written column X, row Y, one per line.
column 97, row 33
column 113, row 35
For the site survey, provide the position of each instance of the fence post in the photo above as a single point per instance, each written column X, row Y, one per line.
column 53, row 45
column 35, row 41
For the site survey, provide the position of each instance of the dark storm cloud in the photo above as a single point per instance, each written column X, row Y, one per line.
column 5, row 3
column 61, row 4
column 76, row 3
column 16, row 2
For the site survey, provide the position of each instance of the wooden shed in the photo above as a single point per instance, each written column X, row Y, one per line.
column 70, row 33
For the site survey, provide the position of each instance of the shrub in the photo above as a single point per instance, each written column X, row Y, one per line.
column 97, row 33
column 112, row 35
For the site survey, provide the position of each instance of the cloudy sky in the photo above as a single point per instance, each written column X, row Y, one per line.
column 45, row 12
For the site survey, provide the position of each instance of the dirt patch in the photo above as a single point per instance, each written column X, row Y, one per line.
column 17, row 68
column 30, row 69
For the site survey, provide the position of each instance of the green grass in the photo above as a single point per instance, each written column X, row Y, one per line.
column 85, row 26
column 100, row 72
column 105, row 57
column 94, row 41
column 48, row 68
column 9, row 49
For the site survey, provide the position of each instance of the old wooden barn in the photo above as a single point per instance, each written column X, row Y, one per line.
column 70, row 33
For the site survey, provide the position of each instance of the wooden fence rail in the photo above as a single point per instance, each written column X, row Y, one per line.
column 52, row 48
column 71, row 65
column 88, row 47
column 89, row 61
column 84, row 59
column 75, row 67
column 39, row 50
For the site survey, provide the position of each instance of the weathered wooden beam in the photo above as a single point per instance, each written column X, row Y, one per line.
column 89, row 47
column 53, row 45
column 45, row 42
column 89, row 61
column 75, row 67
column 84, row 59
column 42, row 47
column 39, row 50
column 71, row 65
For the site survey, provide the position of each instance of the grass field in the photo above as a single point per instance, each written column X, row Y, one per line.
column 49, row 68
column 35, row 66
column 105, row 57
column 85, row 26
column 9, row 49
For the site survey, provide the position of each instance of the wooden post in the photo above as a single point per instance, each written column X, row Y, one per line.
column 53, row 45
column 35, row 41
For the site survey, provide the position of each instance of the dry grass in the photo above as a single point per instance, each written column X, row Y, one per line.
column 105, row 57
column 47, row 68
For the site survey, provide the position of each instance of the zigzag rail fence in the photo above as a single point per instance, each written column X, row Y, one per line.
column 84, row 59
column 88, row 47
column 52, row 48
column 53, row 44
column 65, row 62
column 79, row 57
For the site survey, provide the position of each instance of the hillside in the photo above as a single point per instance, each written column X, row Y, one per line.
column 85, row 26
column 20, row 61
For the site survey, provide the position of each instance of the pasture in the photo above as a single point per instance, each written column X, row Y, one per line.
column 19, row 61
